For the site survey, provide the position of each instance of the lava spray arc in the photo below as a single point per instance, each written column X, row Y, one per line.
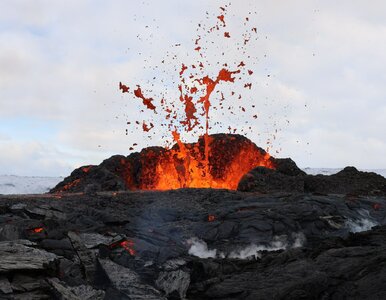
column 210, row 162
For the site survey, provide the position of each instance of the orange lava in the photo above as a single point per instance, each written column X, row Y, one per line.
column 128, row 246
column 70, row 185
column 211, row 218
column 146, row 101
column 213, row 161
column 86, row 169
column 146, row 127
column 123, row 88
column 37, row 229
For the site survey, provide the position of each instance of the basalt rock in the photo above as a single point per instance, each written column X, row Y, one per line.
column 347, row 181
column 287, row 178
column 193, row 244
column 158, row 168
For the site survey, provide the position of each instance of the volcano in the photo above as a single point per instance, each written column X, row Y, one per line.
column 234, row 162
column 185, row 165
column 282, row 234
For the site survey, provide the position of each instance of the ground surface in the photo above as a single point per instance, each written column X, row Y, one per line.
column 11, row 184
column 194, row 244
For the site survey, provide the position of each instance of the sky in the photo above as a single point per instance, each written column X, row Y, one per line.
column 318, row 83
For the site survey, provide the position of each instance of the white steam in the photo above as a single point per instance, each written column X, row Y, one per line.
column 360, row 225
column 200, row 249
column 363, row 224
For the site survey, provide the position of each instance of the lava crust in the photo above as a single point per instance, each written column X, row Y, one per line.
column 192, row 244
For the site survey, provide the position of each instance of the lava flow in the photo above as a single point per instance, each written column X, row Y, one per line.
column 215, row 161
column 227, row 159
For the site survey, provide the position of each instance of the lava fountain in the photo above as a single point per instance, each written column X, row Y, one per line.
column 215, row 161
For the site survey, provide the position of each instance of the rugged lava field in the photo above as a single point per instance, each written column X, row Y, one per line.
column 146, row 245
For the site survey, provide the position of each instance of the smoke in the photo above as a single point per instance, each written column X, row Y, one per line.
column 200, row 249
column 362, row 224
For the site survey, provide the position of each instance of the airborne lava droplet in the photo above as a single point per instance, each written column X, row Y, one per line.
column 248, row 85
column 146, row 101
column 221, row 18
column 183, row 68
column 147, row 128
column 216, row 161
column 123, row 88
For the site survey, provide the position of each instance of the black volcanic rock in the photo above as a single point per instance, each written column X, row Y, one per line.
column 347, row 181
column 265, row 180
column 151, row 245
column 288, row 178
column 140, row 169
column 120, row 173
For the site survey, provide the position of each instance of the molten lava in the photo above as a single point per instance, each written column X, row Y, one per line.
column 215, row 161
column 37, row 230
column 128, row 245
column 211, row 218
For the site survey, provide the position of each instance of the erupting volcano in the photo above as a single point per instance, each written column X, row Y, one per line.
column 227, row 159
column 214, row 161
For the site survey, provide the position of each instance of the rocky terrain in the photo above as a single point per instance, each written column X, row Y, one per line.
column 138, row 171
column 192, row 244
column 282, row 234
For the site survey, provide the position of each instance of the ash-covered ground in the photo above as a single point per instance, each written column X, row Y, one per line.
column 193, row 244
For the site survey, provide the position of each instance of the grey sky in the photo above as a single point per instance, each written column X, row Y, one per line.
column 61, row 62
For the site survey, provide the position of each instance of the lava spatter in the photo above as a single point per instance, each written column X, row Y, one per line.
column 123, row 88
column 146, row 127
column 146, row 101
column 198, row 164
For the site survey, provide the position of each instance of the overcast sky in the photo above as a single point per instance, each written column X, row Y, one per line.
column 319, row 77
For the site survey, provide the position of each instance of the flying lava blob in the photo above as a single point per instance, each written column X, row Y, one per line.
column 211, row 162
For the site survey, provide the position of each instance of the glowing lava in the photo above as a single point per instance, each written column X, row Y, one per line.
column 227, row 159
column 37, row 230
column 215, row 161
